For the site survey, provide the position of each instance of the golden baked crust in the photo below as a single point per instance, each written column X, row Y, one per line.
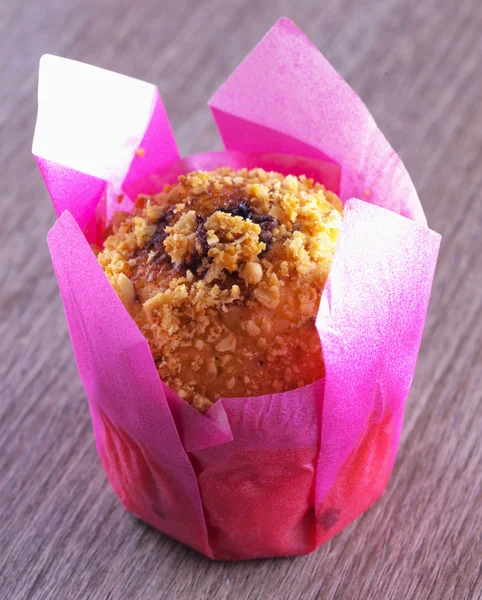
column 223, row 273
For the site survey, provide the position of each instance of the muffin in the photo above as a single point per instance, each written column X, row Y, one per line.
column 222, row 273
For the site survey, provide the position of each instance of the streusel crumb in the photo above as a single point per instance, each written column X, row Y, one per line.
column 223, row 274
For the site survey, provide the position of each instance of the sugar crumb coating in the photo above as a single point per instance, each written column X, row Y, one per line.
column 223, row 273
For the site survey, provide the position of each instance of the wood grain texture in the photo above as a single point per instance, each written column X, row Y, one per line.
column 63, row 535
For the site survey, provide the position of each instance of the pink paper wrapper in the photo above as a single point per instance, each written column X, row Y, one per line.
column 261, row 476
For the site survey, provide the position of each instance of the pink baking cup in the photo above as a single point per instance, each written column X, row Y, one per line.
column 262, row 476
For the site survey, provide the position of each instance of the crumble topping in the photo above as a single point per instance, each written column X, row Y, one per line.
column 223, row 272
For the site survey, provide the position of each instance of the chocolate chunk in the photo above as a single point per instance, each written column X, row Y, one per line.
column 159, row 235
column 201, row 246
column 201, row 243
column 242, row 209
column 266, row 222
column 156, row 243
column 266, row 238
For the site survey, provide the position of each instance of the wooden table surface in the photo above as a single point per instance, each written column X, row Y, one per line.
column 63, row 534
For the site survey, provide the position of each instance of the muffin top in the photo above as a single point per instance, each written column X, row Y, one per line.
column 223, row 273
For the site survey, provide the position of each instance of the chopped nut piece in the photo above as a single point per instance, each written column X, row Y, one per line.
column 211, row 367
column 267, row 295
column 126, row 291
column 252, row 328
column 154, row 211
column 278, row 213
column 228, row 344
column 252, row 273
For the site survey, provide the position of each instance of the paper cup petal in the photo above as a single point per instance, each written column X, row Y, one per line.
column 286, row 97
column 125, row 393
column 103, row 125
column 370, row 322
